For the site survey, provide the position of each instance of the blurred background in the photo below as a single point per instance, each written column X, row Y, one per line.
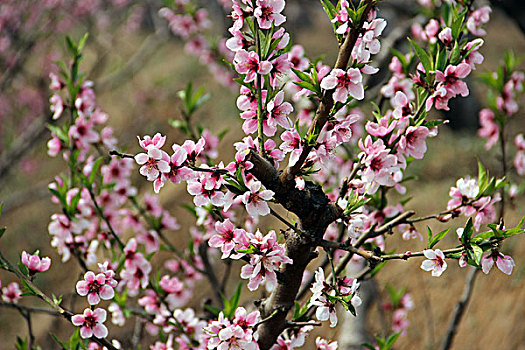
column 138, row 67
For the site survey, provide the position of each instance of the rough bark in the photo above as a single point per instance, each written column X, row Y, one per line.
column 315, row 213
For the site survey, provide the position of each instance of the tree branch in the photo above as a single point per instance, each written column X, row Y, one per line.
column 460, row 309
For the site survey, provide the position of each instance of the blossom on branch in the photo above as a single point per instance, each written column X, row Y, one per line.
column 435, row 263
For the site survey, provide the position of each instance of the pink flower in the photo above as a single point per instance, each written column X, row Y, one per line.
column 153, row 164
column 206, row 189
column 504, row 262
column 402, row 107
column 519, row 162
column 474, row 57
column 296, row 57
column 489, row 129
column 177, row 160
column 226, row 238
column 450, row 79
column 446, row 36
column 158, row 141
column 255, row 200
column 440, row 98
column 381, row 167
column 34, row 263
column 11, row 293
column 477, row 19
column 322, row 344
column 435, row 263
column 382, row 128
column 264, row 264
column 55, row 84
column 268, row 12
column 91, row 323
column 344, row 83
column 95, row 288
column 412, row 143
column 248, row 63
column 57, row 106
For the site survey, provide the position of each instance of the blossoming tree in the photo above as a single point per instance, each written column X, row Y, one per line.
column 304, row 153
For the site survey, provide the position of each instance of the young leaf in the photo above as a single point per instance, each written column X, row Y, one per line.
column 422, row 55
column 438, row 237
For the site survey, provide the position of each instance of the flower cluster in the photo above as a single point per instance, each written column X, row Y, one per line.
column 237, row 333
column 266, row 257
column 326, row 296
column 97, row 287
column 190, row 22
column 465, row 201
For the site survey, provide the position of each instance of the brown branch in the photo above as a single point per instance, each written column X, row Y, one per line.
column 327, row 101
column 210, row 273
column 315, row 213
column 460, row 308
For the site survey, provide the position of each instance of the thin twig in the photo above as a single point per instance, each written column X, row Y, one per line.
column 210, row 273
column 284, row 221
column 106, row 220
column 40, row 294
column 460, row 308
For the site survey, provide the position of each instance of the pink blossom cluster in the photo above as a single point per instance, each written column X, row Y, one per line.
column 519, row 159
column 82, row 135
column 190, row 22
column 265, row 259
column 506, row 102
column 323, row 344
column 237, row 333
column 99, row 286
column 400, row 321
column 292, row 338
column 465, row 201
column 323, row 293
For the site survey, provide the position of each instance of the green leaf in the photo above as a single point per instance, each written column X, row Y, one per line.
column 64, row 345
column 1, row 207
column 307, row 86
column 455, row 56
column 57, row 300
column 467, row 232
column 21, row 344
column 2, row 231
column 71, row 46
column 94, row 171
column 422, row 55
column 23, row 268
column 429, row 237
column 27, row 289
column 214, row 310
column 433, row 123
column 82, row 42
column 391, row 340
column 478, row 252
column 234, row 300
column 329, row 8
column 438, row 237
